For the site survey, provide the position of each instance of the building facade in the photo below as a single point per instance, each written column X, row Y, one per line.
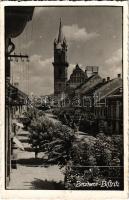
column 16, row 19
column 77, row 77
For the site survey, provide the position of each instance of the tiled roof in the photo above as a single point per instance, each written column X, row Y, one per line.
column 13, row 88
column 109, row 88
column 15, row 96
column 84, row 82
column 93, row 89
column 90, row 83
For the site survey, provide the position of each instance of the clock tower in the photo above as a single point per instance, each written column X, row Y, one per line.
column 60, row 62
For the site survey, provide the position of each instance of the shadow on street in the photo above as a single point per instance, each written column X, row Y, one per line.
column 47, row 185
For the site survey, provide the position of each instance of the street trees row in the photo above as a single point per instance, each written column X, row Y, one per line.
column 87, row 159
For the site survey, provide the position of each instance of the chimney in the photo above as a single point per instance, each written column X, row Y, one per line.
column 95, row 73
column 95, row 70
column 104, row 80
column 108, row 79
column 119, row 75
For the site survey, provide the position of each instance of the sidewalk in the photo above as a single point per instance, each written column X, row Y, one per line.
column 32, row 173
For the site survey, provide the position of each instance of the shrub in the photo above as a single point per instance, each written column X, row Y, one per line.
column 95, row 160
column 41, row 133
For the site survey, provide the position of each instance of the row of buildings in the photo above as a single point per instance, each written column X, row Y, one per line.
column 16, row 19
column 87, row 89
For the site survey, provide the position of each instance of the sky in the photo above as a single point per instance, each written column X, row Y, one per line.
column 94, row 37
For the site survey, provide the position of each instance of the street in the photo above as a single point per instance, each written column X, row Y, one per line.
column 33, row 173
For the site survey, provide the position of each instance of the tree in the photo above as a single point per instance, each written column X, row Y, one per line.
column 28, row 115
column 40, row 134
column 60, row 148
column 95, row 159
column 83, row 159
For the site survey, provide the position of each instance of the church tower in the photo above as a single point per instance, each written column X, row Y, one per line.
column 60, row 63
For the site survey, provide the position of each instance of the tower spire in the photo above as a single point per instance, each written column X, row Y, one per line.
column 60, row 35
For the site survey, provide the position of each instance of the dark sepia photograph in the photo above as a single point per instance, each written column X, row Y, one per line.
column 64, row 121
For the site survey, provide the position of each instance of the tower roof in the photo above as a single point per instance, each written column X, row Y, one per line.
column 60, row 42
column 60, row 34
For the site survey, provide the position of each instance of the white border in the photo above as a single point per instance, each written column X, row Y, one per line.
column 56, row 194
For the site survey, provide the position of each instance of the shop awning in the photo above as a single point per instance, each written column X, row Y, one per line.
column 19, row 124
column 18, row 143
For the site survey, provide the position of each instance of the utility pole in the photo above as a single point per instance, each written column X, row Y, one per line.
column 16, row 56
